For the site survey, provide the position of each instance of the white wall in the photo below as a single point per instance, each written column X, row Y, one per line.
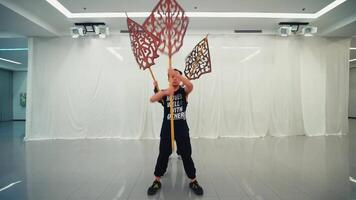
column 5, row 95
column 352, row 92
column 19, row 86
column 92, row 88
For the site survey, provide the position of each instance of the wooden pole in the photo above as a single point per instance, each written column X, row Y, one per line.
column 153, row 77
column 169, row 26
column 171, row 106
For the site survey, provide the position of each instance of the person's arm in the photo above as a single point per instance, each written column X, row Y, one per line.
column 159, row 95
column 155, row 90
column 186, row 82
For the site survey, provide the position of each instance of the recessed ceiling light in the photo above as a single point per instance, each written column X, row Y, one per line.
column 10, row 61
column 10, row 185
column 326, row 9
column 329, row 7
column 352, row 179
column 15, row 49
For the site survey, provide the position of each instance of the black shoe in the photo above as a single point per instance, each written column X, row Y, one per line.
column 197, row 189
column 156, row 185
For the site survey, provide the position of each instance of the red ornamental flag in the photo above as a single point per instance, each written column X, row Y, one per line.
column 198, row 61
column 169, row 23
column 144, row 44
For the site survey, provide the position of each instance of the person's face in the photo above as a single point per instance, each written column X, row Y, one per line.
column 175, row 81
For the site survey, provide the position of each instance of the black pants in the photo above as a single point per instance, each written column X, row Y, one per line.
column 183, row 144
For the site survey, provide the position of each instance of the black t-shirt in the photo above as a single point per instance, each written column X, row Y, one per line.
column 179, row 106
column 179, row 109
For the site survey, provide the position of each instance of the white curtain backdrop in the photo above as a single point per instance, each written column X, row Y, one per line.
column 260, row 85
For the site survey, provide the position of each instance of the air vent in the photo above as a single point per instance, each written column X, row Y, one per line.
column 247, row 31
column 127, row 31
column 293, row 23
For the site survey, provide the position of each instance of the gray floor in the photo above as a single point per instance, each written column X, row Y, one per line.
column 290, row 168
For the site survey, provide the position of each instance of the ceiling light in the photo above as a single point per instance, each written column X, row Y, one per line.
column 96, row 28
column 328, row 8
column 294, row 25
column 352, row 179
column 15, row 49
column 352, row 60
column 249, row 15
column 353, row 48
column 10, row 185
column 292, row 28
column 60, row 8
column 89, row 28
column 309, row 30
column 285, row 31
column 10, row 61
column 76, row 32
column 56, row 4
column 102, row 31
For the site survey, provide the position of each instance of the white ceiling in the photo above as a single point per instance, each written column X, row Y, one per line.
column 12, row 23
column 25, row 18
column 39, row 18
column 280, row 6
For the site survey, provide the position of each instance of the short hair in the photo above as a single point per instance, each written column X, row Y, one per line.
column 178, row 71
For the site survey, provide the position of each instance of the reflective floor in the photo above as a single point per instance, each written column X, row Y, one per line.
column 272, row 168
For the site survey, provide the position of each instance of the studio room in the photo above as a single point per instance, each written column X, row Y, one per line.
column 177, row 99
